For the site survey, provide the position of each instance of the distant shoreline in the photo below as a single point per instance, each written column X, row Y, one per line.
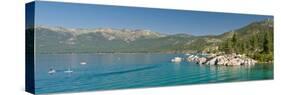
column 117, row 53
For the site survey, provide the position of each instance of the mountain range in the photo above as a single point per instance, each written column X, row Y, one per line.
column 111, row 40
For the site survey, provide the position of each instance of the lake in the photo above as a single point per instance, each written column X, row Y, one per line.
column 124, row 70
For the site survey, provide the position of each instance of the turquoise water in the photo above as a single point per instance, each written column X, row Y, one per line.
column 118, row 71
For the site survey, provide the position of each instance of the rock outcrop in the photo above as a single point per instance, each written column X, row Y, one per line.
column 225, row 59
column 177, row 59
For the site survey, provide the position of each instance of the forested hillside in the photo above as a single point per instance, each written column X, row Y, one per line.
column 254, row 40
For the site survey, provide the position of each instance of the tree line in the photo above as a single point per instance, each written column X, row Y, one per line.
column 258, row 45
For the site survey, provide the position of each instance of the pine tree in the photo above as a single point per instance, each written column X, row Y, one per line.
column 266, row 44
column 233, row 43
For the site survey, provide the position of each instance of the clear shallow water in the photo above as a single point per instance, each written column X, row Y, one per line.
column 117, row 71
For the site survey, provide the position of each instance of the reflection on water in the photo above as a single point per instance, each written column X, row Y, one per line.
column 116, row 71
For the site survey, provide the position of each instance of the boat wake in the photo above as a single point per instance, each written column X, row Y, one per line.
column 126, row 71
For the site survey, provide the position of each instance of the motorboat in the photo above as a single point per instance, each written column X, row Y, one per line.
column 83, row 63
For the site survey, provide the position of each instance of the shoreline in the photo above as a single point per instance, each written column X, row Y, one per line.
column 117, row 53
column 205, row 55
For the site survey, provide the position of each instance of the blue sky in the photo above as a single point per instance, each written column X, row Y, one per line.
column 72, row 15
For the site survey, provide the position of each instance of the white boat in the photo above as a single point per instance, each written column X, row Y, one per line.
column 51, row 71
column 68, row 71
column 177, row 59
column 83, row 63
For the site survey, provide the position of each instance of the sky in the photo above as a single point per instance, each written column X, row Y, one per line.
column 71, row 15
